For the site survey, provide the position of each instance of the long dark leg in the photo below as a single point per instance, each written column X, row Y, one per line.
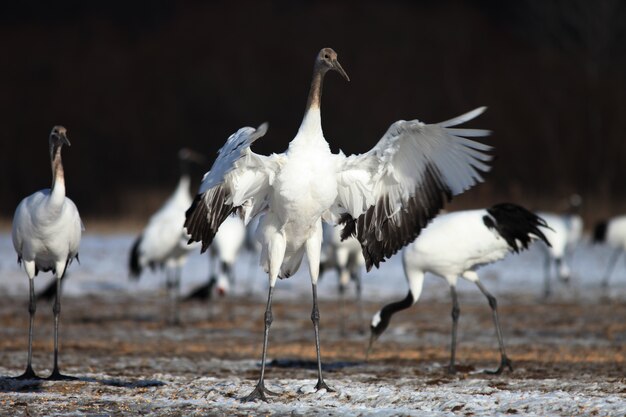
column 174, row 294
column 562, row 270
column 56, row 309
column 315, row 318
column 609, row 270
column 32, row 307
column 342, row 305
column 169, row 283
column 456, row 311
column 546, row 275
column 505, row 362
column 356, row 276
column 259, row 391
column 228, row 270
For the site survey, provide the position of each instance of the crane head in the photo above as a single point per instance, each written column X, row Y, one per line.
column 58, row 136
column 327, row 58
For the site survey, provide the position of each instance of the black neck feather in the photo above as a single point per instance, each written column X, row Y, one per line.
column 389, row 310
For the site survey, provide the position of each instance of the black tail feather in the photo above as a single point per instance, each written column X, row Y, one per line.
column 516, row 225
column 599, row 231
column 133, row 265
column 203, row 292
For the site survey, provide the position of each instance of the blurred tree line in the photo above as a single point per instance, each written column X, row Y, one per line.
column 133, row 82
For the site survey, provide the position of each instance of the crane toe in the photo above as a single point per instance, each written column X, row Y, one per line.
column 505, row 362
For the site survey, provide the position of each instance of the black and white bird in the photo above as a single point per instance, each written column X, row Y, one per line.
column 613, row 233
column 46, row 235
column 383, row 197
column 456, row 244
column 223, row 253
column 163, row 244
column 346, row 259
column 565, row 232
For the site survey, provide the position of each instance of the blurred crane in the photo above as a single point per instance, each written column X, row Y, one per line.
column 223, row 253
column 163, row 242
column 565, row 232
column 345, row 257
column 612, row 232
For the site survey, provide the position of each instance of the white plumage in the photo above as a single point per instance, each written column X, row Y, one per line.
column 613, row 233
column 456, row 244
column 46, row 235
column 383, row 197
column 163, row 243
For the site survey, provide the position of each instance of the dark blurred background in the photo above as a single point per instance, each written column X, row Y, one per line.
column 134, row 82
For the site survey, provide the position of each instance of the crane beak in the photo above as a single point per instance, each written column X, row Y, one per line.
column 63, row 139
column 337, row 67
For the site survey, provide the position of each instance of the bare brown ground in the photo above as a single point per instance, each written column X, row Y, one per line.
column 127, row 337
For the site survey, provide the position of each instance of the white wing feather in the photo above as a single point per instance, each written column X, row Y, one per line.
column 238, row 180
column 387, row 195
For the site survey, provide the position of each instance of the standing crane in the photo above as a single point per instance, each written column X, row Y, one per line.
column 46, row 235
column 383, row 197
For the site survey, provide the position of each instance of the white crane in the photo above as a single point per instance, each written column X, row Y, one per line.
column 223, row 253
column 163, row 243
column 612, row 232
column 345, row 257
column 383, row 197
column 453, row 246
column 46, row 235
column 565, row 232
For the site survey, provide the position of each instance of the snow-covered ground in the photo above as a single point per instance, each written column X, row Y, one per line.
column 104, row 270
column 568, row 352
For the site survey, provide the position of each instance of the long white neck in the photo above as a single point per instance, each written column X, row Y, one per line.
column 311, row 126
column 58, row 178
column 414, row 275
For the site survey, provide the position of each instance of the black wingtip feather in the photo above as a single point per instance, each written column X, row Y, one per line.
column 133, row 263
column 205, row 215
column 516, row 225
column 196, row 223
column 382, row 235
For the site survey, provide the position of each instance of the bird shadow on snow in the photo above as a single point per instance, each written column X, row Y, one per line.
column 142, row 383
column 9, row 384
column 311, row 364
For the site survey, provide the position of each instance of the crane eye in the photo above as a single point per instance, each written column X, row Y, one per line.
column 326, row 56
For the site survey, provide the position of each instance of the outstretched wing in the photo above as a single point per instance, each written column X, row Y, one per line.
column 387, row 195
column 238, row 180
